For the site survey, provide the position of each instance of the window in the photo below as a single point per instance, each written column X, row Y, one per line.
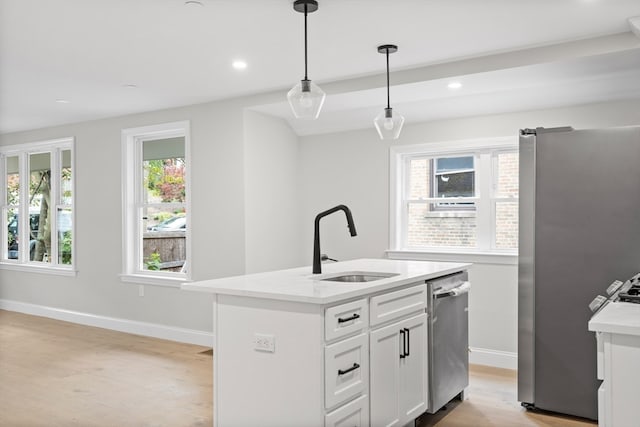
column 453, row 177
column 156, row 204
column 458, row 196
column 37, row 205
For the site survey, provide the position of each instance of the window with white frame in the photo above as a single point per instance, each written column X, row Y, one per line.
column 156, row 203
column 457, row 196
column 37, row 205
column 451, row 177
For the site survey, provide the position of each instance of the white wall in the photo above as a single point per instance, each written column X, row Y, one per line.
column 255, row 194
column 217, row 218
column 271, row 194
column 353, row 168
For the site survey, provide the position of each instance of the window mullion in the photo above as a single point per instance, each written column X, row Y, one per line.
column 168, row 205
column 484, row 226
column 3, row 181
column 23, row 208
column 4, row 233
column 405, row 191
column 139, row 205
column 55, row 200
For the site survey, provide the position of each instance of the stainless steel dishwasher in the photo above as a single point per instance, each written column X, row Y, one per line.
column 448, row 339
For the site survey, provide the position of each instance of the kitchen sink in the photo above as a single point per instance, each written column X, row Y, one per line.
column 358, row 277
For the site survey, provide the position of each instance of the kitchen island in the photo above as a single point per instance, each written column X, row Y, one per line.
column 296, row 349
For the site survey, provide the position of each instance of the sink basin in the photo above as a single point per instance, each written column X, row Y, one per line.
column 358, row 277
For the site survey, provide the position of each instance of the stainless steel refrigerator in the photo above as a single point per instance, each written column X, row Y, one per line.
column 579, row 231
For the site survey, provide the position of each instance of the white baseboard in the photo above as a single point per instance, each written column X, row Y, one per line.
column 495, row 358
column 477, row 356
column 189, row 336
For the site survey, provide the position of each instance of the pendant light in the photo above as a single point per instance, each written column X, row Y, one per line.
column 387, row 124
column 306, row 98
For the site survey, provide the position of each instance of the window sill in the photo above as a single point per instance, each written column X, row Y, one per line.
column 143, row 279
column 41, row 269
column 499, row 258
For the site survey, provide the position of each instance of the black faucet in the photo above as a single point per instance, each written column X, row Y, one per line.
column 317, row 269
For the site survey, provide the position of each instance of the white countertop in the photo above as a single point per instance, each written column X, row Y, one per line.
column 617, row 318
column 298, row 284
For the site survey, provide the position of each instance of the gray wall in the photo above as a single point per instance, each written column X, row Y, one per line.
column 353, row 168
column 218, row 215
column 271, row 189
column 255, row 191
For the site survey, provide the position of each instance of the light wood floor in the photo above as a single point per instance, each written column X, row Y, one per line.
column 492, row 402
column 54, row 373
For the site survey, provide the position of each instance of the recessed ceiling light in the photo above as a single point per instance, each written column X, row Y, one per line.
column 239, row 64
column 454, row 85
column 62, row 101
column 193, row 3
column 130, row 86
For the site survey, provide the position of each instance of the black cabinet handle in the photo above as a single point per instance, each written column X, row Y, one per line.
column 354, row 317
column 346, row 371
column 408, row 335
column 404, row 343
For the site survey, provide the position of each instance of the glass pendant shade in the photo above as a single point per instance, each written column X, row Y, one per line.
column 306, row 100
column 388, row 125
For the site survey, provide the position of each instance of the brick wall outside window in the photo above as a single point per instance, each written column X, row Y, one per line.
column 428, row 228
column 507, row 212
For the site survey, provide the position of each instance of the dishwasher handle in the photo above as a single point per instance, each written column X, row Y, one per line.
column 463, row 288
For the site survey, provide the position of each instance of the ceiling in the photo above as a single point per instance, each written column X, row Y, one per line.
column 574, row 81
column 86, row 52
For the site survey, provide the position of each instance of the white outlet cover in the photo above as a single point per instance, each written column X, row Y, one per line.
column 264, row 342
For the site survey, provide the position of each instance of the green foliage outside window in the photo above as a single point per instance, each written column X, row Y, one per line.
column 154, row 262
column 66, row 247
column 165, row 178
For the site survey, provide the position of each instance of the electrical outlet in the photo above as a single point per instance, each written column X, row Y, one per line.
column 140, row 290
column 264, row 342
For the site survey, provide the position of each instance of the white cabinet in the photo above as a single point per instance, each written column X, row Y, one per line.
column 326, row 365
column 346, row 319
column 617, row 396
column 346, row 370
column 413, row 369
column 394, row 305
column 398, row 392
column 292, row 349
column 617, row 328
column 353, row 414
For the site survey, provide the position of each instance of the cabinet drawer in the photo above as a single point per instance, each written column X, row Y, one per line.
column 353, row 414
column 393, row 305
column 346, row 370
column 345, row 319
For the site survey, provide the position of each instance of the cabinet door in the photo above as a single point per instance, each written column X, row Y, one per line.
column 398, row 372
column 413, row 369
column 384, row 361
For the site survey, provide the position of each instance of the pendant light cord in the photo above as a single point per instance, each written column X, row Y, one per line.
column 388, row 100
column 305, row 42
